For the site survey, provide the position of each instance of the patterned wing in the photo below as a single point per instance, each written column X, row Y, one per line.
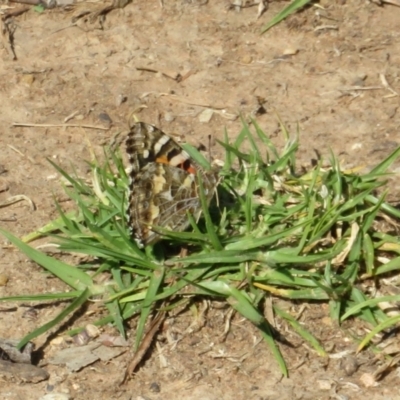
column 163, row 183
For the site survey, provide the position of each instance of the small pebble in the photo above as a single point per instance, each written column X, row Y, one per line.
column 104, row 117
column 92, row 330
column 290, row 52
column 168, row 117
column 27, row 79
column 349, row 364
column 50, row 388
column 3, row 280
column 206, row 115
column 155, row 387
column 120, row 99
column 247, row 59
column 324, row 384
column 81, row 338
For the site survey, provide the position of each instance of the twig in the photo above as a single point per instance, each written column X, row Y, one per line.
column 8, row 28
column 59, row 126
column 146, row 342
column 11, row 219
column 351, row 88
column 380, row 2
column 31, row 2
column 175, row 76
column 15, row 13
column 16, row 150
column 183, row 100
column 65, row 27
column 323, row 27
column 21, row 153
column 66, row 119
column 385, row 83
column 17, row 198
column 219, row 110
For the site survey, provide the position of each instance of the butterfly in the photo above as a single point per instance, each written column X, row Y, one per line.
column 163, row 185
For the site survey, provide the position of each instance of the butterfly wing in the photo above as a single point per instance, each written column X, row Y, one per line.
column 163, row 183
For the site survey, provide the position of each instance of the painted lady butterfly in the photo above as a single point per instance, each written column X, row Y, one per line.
column 163, row 184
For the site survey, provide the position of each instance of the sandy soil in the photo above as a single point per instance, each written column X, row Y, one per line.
column 322, row 71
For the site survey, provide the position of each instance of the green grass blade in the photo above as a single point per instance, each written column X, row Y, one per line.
column 72, row 276
column 392, row 211
column 75, row 305
column 383, row 166
column 301, row 331
column 53, row 226
column 253, row 243
column 156, row 280
column 265, row 139
column 207, row 217
column 290, row 9
column 389, row 323
column 392, row 265
column 369, row 303
column 368, row 254
column 367, row 314
column 242, row 305
column 44, row 297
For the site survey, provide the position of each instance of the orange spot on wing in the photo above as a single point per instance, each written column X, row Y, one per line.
column 191, row 170
column 162, row 160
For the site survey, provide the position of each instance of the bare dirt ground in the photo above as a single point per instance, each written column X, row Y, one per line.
column 322, row 70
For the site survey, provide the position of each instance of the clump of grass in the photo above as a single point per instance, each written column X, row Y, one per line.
column 309, row 236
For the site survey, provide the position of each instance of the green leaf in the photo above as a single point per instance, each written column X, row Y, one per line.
column 290, row 9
